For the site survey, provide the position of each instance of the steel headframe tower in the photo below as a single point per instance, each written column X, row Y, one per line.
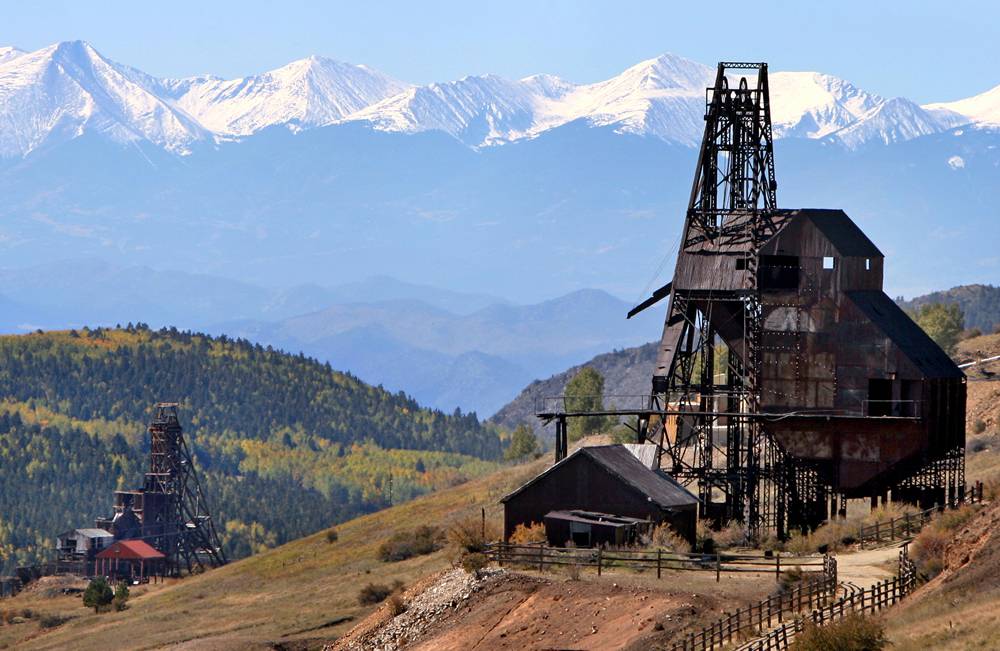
column 175, row 516
column 730, row 213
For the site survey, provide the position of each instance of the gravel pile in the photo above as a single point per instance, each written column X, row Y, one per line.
column 453, row 588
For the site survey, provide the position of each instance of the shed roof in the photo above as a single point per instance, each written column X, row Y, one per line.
column 658, row 486
column 87, row 533
column 131, row 549
column 840, row 229
column 919, row 348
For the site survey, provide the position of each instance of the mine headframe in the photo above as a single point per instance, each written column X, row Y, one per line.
column 176, row 519
column 730, row 213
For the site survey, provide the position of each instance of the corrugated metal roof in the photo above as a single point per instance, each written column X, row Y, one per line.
column 644, row 452
column 657, row 485
column 95, row 533
column 925, row 354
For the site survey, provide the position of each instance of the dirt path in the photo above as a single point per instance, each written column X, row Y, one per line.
column 868, row 567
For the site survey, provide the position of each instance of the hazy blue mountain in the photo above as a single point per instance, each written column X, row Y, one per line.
column 576, row 206
column 477, row 361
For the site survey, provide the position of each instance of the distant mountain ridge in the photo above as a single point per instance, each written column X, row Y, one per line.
column 979, row 303
column 60, row 92
column 446, row 348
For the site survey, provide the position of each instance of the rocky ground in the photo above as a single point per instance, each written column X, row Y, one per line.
column 509, row 610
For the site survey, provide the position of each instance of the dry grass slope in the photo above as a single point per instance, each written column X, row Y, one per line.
column 305, row 590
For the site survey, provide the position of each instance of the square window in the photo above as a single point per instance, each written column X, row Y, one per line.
column 827, row 262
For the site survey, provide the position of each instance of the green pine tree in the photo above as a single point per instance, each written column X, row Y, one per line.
column 522, row 444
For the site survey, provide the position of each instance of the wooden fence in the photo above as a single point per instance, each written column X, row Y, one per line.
column 907, row 526
column 813, row 592
column 540, row 556
column 855, row 600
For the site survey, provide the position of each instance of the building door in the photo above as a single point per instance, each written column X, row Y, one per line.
column 879, row 397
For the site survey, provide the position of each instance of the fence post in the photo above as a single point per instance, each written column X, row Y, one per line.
column 598, row 561
column 892, row 529
column 718, row 567
column 541, row 558
column 777, row 566
column 500, row 551
column 659, row 555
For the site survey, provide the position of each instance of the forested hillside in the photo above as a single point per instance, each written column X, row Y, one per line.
column 285, row 444
column 980, row 304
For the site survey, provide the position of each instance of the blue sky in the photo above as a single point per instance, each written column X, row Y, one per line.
column 926, row 51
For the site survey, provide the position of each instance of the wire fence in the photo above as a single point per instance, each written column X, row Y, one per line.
column 541, row 556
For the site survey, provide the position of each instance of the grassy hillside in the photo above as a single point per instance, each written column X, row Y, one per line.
column 305, row 590
column 285, row 444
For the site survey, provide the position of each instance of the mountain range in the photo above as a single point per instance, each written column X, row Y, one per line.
column 62, row 91
column 282, row 206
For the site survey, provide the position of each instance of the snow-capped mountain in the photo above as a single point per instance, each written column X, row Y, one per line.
column 8, row 53
column 662, row 97
column 478, row 111
column 68, row 89
column 982, row 109
column 815, row 105
column 309, row 92
column 65, row 90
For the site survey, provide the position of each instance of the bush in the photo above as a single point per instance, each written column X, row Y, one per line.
column 52, row 621
column 98, row 594
column 407, row 544
column 467, row 535
column 474, row 562
column 332, row 536
column 929, row 547
column 121, row 597
column 732, row 535
column 373, row 593
column 664, row 536
column 396, row 605
column 853, row 633
column 532, row 533
column 789, row 579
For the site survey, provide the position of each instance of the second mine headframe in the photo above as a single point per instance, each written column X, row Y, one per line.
column 796, row 383
column 169, row 512
column 175, row 515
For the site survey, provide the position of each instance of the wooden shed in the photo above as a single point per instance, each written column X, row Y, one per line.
column 606, row 480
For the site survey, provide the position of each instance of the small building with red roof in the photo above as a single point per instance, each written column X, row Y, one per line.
column 133, row 560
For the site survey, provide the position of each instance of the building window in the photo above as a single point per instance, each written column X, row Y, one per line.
column 868, row 264
column 828, row 262
column 778, row 272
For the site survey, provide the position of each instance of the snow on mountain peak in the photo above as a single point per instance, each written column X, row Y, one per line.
column 9, row 52
column 308, row 92
column 982, row 109
column 68, row 88
column 63, row 90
